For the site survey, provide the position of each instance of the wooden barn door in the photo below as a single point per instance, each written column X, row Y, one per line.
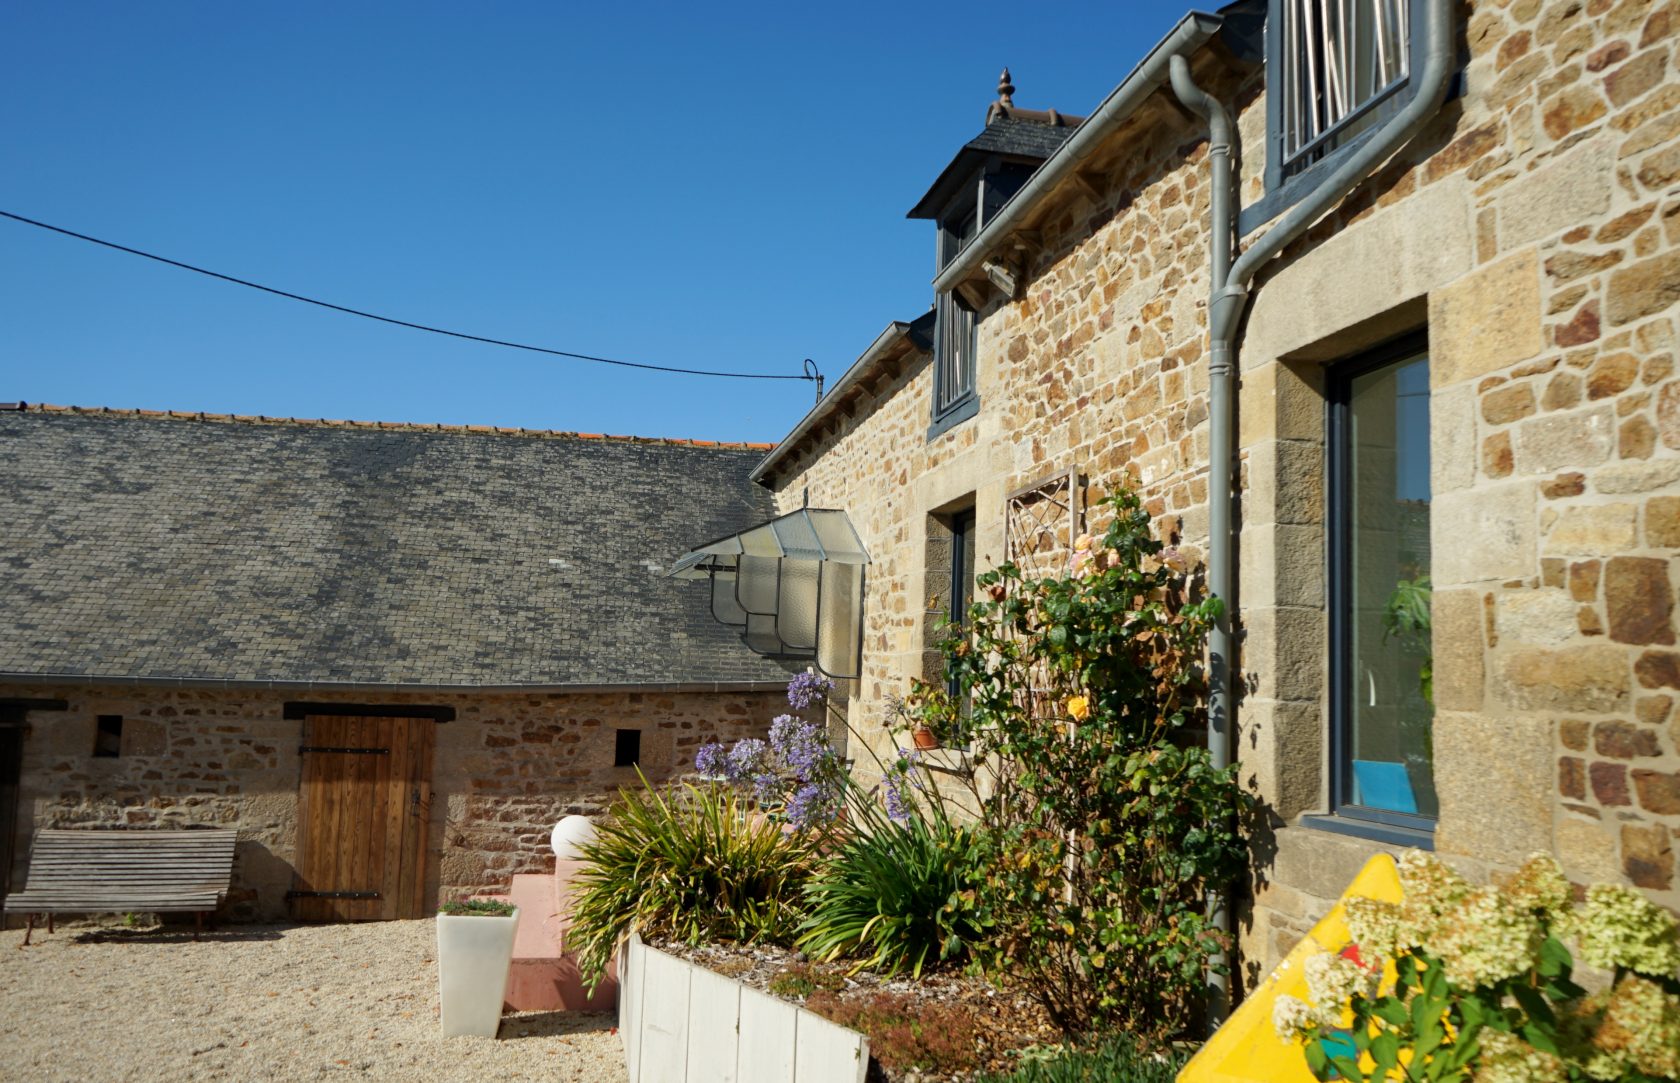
column 363, row 808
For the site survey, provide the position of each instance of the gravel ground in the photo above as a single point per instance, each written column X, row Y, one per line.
column 264, row 1002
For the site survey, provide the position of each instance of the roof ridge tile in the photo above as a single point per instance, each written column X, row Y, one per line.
column 386, row 426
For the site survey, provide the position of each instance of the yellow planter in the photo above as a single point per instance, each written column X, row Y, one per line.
column 1246, row 1049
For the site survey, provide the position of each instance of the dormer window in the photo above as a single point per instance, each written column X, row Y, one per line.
column 954, row 331
column 987, row 171
column 1335, row 70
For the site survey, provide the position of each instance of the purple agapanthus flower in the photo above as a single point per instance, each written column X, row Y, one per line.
column 807, row 689
column 712, row 760
column 767, row 786
column 747, row 758
column 802, row 745
column 811, row 805
column 899, row 783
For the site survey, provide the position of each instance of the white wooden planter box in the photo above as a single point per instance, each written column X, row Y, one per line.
column 682, row 1023
column 473, row 956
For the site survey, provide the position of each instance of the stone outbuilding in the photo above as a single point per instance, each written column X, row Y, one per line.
column 1454, row 398
column 390, row 656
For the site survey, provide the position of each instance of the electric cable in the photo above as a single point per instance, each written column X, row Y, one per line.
column 406, row 323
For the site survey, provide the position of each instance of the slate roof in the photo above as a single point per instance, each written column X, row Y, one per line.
column 257, row 550
column 1008, row 135
column 1019, row 133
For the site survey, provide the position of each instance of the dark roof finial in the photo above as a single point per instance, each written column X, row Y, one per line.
column 1006, row 89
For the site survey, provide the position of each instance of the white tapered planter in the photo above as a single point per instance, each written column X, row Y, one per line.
column 474, row 952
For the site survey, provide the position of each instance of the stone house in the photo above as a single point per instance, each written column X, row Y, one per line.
column 256, row 623
column 1451, row 380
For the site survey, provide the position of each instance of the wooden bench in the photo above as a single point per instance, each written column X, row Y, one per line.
column 115, row 871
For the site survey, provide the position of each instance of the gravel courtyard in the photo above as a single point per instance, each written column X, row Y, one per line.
column 264, row 1002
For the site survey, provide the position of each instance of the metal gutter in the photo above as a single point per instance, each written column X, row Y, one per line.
column 1192, row 31
column 376, row 689
column 888, row 338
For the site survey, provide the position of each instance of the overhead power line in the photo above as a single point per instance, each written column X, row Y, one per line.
column 406, row 323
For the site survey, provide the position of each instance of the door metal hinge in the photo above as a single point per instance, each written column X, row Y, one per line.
column 325, row 748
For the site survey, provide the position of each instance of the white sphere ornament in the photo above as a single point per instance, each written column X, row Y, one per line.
column 570, row 836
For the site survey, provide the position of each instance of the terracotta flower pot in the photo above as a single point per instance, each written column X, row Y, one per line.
column 924, row 738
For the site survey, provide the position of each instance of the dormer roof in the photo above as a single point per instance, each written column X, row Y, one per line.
column 1022, row 135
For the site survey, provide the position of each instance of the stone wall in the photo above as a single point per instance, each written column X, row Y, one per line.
column 505, row 769
column 1533, row 229
column 1095, row 368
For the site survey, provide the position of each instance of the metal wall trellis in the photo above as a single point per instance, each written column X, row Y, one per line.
column 1041, row 522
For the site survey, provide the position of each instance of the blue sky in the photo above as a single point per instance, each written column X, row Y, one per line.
column 716, row 186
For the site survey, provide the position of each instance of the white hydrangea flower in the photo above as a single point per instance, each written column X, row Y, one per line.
column 1377, row 927
column 1332, row 981
column 1292, row 1017
column 1431, row 890
column 1506, row 1058
column 1619, row 927
column 1485, row 940
column 1642, row 1027
column 1539, row 885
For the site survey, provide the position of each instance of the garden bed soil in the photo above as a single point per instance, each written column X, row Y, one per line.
column 944, row 1027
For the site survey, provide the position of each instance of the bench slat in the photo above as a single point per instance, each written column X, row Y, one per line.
column 93, row 871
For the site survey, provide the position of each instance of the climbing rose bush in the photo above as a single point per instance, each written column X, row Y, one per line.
column 1079, row 698
column 1484, row 987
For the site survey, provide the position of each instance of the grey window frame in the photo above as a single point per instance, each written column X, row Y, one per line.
column 963, row 400
column 1286, row 186
column 1345, row 818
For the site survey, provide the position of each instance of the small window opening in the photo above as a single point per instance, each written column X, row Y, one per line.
column 107, row 739
column 628, row 750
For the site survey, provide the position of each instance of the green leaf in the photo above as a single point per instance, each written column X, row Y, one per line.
column 1385, row 1050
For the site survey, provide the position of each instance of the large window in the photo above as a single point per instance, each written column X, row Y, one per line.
column 1335, row 70
column 954, row 338
column 1382, row 709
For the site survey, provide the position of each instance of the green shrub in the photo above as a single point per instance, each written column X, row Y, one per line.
column 695, row 865
column 1484, row 985
column 889, row 895
column 1118, row 1060
column 1105, row 821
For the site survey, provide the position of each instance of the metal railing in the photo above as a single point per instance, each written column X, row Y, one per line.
column 1339, row 58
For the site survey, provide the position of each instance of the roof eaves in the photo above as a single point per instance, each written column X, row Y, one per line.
column 897, row 332
column 440, row 688
column 1193, row 31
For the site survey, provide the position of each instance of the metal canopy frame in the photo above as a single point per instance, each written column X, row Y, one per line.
column 781, row 581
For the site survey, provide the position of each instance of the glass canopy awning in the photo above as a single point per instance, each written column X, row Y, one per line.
column 793, row 585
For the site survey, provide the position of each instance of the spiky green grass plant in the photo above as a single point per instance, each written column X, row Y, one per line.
column 891, row 895
column 695, row 863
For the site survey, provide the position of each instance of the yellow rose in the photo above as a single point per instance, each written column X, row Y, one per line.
column 1079, row 708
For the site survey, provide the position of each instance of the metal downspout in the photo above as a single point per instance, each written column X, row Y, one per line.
column 1222, row 640
column 1228, row 301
